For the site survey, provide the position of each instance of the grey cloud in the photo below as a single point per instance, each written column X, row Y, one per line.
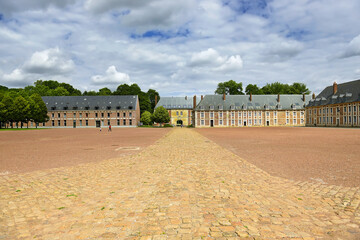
column 352, row 49
column 8, row 7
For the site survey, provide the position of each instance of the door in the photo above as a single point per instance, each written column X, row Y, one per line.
column 211, row 123
column 98, row 124
column 267, row 123
column 244, row 123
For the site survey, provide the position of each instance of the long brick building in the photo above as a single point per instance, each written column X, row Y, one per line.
column 92, row 111
column 336, row 105
column 251, row 110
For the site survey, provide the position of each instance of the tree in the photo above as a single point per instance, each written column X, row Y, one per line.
column 253, row 89
column 21, row 110
column 89, row 93
column 230, row 87
column 38, row 109
column 276, row 88
column 59, row 91
column 72, row 91
column 146, row 118
column 122, row 89
column 6, row 109
column 298, row 88
column 104, row 92
column 161, row 115
column 144, row 102
column 152, row 93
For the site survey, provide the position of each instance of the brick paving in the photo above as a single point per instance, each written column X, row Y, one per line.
column 184, row 186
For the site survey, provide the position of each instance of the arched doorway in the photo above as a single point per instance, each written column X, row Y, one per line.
column 179, row 122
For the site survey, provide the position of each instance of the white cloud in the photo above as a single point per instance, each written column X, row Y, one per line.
column 234, row 63
column 25, row 5
column 111, row 77
column 352, row 49
column 281, row 50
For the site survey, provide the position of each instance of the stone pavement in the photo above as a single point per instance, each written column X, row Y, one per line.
column 182, row 187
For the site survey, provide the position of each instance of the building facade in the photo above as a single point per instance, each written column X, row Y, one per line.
column 337, row 105
column 180, row 109
column 251, row 110
column 92, row 111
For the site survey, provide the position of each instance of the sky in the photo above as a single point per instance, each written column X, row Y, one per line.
column 179, row 48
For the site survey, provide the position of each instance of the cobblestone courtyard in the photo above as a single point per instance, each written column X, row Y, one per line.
column 184, row 186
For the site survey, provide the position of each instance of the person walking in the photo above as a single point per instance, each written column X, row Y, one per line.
column 109, row 128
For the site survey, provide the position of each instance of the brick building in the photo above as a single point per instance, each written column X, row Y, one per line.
column 251, row 110
column 180, row 109
column 336, row 105
column 92, row 111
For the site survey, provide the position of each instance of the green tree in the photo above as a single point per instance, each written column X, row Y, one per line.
column 161, row 115
column 144, row 102
column 6, row 113
column 38, row 109
column 276, row 88
column 230, row 87
column 104, row 92
column 59, row 91
column 21, row 110
column 298, row 88
column 152, row 93
column 89, row 93
column 146, row 118
column 253, row 89
column 122, row 89
column 72, row 91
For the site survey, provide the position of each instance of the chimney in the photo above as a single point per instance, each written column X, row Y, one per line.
column 313, row 96
column 335, row 88
column 303, row 97
column 194, row 102
column 155, row 100
column 202, row 97
column 224, row 96
column 250, row 97
column 278, row 98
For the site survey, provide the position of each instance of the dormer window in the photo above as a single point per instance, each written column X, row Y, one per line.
column 108, row 107
column 96, row 107
column 75, row 107
column 118, row 107
column 87, row 108
column 211, row 107
column 221, row 107
column 201, row 107
column 130, row 107
column 232, row 107
column 66, row 107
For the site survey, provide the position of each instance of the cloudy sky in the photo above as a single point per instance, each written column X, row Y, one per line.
column 179, row 47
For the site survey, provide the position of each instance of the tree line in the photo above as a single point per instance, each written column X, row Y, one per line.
column 233, row 88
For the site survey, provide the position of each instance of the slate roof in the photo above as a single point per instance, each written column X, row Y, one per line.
column 259, row 102
column 176, row 102
column 116, row 102
column 346, row 93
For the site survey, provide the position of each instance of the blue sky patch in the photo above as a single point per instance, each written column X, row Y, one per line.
column 161, row 35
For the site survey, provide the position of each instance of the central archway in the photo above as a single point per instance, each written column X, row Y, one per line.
column 179, row 122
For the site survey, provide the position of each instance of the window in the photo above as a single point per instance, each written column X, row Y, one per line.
column 86, row 115
column 108, row 115
column 202, row 122
column 239, row 114
column 211, row 107
column 130, row 114
column 255, row 122
column 80, row 115
column 349, row 119
column 331, row 110
column 232, row 122
column 202, row 114
column 58, row 122
column 87, row 122
column 74, row 115
column 309, row 112
column 124, row 122
column 80, row 122
column 267, row 114
column 118, row 114
column 64, row 115
column 294, row 114
column 244, row 114
column 220, row 122
column 349, row 108
column 181, row 113
column 275, row 114
column 65, row 123
column 302, row 121
column 52, row 123
column 315, row 111
column 232, row 114
column 221, row 114
column 354, row 119
column 275, row 121
column 240, row 122
column 287, row 114
column 344, row 109
column 287, row 121
column 96, row 115
column 108, row 122
column 124, row 114
column 130, row 122
column 354, row 108
column 102, row 115
column 118, row 122
column 255, row 114
column 294, row 121
column 211, row 114
column 249, row 114
column 177, row 113
column 58, row 115
column 249, row 121
column 260, row 121
column 52, row 115
column 327, row 110
column 344, row 119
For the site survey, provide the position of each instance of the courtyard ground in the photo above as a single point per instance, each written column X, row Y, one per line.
column 184, row 186
column 324, row 155
column 24, row 151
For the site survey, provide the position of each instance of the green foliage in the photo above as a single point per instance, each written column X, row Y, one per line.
column 59, row 91
column 6, row 107
column 146, row 118
column 152, row 93
column 104, row 92
column 253, row 89
column 168, row 125
column 21, row 110
column 230, row 87
column 90, row 93
column 38, row 109
column 144, row 102
column 161, row 115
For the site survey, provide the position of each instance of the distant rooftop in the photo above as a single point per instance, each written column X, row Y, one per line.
column 177, row 102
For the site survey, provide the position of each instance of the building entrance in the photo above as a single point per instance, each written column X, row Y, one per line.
column 97, row 124
column 179, row 122
column 74, row 124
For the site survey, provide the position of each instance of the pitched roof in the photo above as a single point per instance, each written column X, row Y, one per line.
column 258, row 102
column 123, row 102
column 346, row 93
column 176, row 102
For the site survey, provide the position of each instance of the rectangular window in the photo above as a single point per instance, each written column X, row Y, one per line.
column 319, row 119
column 96, row 115
column 118, row 114
column 249, row 114
column 315, row 111
column 130, row 114
column 255, row 122
column 211, row 115
column 181, row 113
column 244, row 114
column 102, row 115
column 52, row 123
column 344, row 119
column 52, row 115
column 202, row 114
column 349, row 119
column 249, row 121
column 220, row 122
column 232, row 114
column 108, row 115
column 124, row 114
column 202, row 122
column 327, row 110
column 220, row 114
column 240, row 122
column 275, row 121
column 320, row 111
column 354, row 108
column 349, row 108
column 267, row 114
column 287, row 114
column 302, row 121
column 124, row 122
column 177, row 113
column 331, row 110
column 74, row 115
column 287, row 121
column 58, row 122
column 354, row 119
column 80, row 122
column 275, row 114
column 344, row 109
column 294, row 121
column 64, row 115
column 260, row 121
column 239, row 114
column 86, row 115
column 65, row 123
column 80, row 115
column 130, row 122
column 294, row 114
column 87, row 122
column 108, row 122
column 118, row 122
column 58, row 115
column 232, row 122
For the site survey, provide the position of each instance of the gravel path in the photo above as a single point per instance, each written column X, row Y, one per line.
column 182, row 187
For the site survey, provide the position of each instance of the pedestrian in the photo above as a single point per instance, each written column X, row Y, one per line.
column 109, row 128
column 100, row 128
